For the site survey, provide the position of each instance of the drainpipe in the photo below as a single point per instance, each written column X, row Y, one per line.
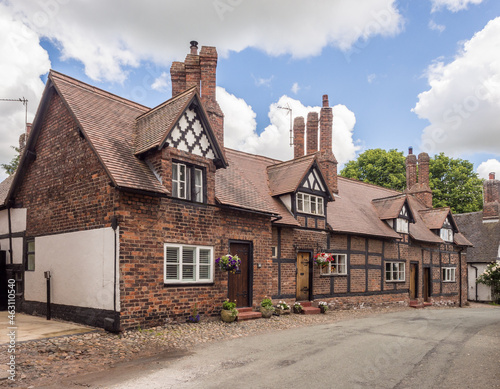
column 475, row 278
column 114, row 225
column 10, row 234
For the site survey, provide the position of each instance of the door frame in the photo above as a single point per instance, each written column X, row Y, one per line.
column 311, row 272
column 250, row 266
column 415, row 265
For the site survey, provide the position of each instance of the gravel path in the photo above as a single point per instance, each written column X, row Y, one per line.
column 48, row 361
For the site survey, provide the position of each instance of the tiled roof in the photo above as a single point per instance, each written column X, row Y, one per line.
column 285, row 177
column 4, row 189
column 243, row 184
column 389, row 207
column 352, row 211
column 108, row 121
column 484, row 236
column 419, row 230
column 434, row 218
column 153, row 125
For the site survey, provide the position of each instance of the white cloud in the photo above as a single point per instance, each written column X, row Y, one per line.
column 260, row 81
column 463, row 101
column 295, row 88
column 240, row 127
column 371, row 77
column 490, row 166
column 436, row 27
column 162, row 83
column 452, row 5
column 23, row 62
column 108, row 38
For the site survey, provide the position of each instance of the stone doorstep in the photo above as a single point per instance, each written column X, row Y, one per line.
column 247, row 313
column 310, row 311
column 415, row 304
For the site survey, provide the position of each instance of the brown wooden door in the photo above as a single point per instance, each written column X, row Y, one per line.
column 413, row 281
column 427, row 284
column 303, row 276
column 238, row 283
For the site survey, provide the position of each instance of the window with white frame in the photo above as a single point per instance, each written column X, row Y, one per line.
column 310, row 204
column 337, row 266
column 448, row 274
column 274, row 252
column 394, row 271
column 446, row 232
column 30, row 254
column 188, row 264
column 187, row 182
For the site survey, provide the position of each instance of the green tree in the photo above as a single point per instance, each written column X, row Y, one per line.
column 379, row 167
column 453, row 181
column 11, row 167
column 454, row 184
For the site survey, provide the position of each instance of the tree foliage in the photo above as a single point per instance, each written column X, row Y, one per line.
column 379, row 167
column 453, row 181
column 10, row 168
column 454, row 184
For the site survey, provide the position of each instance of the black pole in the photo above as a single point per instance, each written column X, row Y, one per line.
column 48, row 298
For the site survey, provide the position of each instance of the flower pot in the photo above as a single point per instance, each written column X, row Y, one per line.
column 323, row 308
column 228, row 316
column 282, row 311
column 266, row 313
column 297, row 310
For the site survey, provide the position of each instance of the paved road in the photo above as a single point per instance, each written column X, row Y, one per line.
column 448, row 348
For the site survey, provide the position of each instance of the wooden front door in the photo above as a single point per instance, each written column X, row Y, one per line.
column 303, row 267
column 413, row 281
column 239, row 282
column 427, row 284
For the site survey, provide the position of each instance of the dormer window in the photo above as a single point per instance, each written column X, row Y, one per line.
column 187, row 182
column 446, row 232
column 311, row 204
column 402, row 222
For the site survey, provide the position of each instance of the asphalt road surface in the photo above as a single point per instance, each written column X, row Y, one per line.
column 447, row 348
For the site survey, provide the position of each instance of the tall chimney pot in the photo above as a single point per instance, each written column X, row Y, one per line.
column 325, row 101
column 492, row 175
column 194, row 47
column 410, row 150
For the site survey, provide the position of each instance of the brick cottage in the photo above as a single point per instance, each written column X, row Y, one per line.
column 128, row 207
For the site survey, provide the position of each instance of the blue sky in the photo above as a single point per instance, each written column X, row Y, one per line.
column 398, row 73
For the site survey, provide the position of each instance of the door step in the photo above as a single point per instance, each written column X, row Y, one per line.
column 416, row 304
column 308, row 309
column 247, row 313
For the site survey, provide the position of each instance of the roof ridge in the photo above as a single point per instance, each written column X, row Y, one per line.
column 262, row 157
column 435, row 209
column 389, row 197
column 94, row 89
column 294, row 160
column 169, row 101
column 356, row 181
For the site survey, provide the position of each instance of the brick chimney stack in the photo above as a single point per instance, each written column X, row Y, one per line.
column 326, row 160
column 411, row 169
column 312, row 132
column 420, row 189
column 200, row 70
column 491, row 206
column 298, row 137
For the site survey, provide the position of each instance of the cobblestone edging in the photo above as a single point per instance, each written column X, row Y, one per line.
column 50, row 360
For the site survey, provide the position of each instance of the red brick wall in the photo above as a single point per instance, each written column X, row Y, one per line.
column 65, row 188
column 146, row 223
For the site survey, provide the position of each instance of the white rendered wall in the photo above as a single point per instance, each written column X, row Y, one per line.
column 82, row 269
column 483, row 291
column 18, row 225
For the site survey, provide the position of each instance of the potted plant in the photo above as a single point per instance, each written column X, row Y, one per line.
column 321, row 259
column 282, row 308
column 195, row 316
column 228, row 262
column 266, row 308
column 297, row 307
column 323, row 305
column 229, row 313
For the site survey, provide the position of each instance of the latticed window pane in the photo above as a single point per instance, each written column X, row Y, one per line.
column 198, row 185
